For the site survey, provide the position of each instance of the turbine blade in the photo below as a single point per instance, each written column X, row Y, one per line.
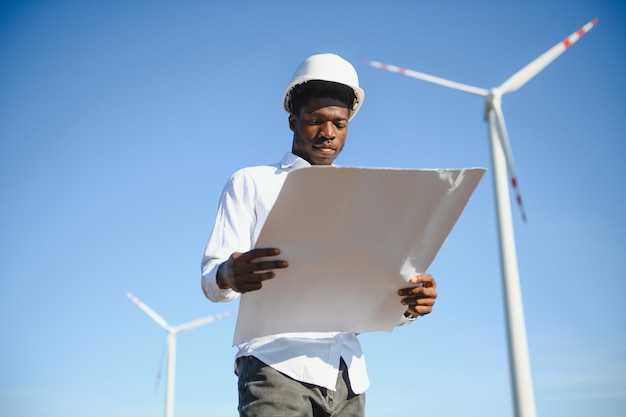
column 160, row 320
column 524, row 75
column 200, row 322
column 497, row 117
column 430, row 78
column 161, row 366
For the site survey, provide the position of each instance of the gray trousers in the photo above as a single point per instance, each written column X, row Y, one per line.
column 265, row 392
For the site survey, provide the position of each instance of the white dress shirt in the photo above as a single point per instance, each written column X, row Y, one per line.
column 308, row 357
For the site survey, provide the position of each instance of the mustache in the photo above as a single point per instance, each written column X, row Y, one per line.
column 324, row 143
column 317, row 142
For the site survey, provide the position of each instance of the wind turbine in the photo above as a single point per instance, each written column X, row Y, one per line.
column 172, row 331
column 502, row 158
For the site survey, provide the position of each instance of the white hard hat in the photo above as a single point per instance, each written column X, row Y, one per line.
column 326, row 67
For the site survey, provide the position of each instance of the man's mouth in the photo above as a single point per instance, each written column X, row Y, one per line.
column 325, row 148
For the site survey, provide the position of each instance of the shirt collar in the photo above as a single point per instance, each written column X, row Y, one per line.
column 291, row 161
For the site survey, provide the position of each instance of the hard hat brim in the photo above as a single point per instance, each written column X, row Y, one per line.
column 358, row 92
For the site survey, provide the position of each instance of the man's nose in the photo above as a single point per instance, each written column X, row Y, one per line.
column 328, row 130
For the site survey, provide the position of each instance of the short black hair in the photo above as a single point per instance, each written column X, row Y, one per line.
column 302, row 93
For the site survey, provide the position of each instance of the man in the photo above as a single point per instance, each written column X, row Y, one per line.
column 295, row 374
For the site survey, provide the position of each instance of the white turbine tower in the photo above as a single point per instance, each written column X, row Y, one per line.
column 172, row 331
column 523, row 397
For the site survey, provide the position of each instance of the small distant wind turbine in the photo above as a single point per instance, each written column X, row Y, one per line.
column 172, row 331
column 502, row 159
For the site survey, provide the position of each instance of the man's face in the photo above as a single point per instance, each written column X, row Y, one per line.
column 319, row 130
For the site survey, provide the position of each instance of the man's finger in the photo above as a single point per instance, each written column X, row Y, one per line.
column 426, row 280
column 252, row 282
column 413, row 301
column 410, row 291
column 254, row 267
column 256, row 277
column 253, row 254
column 422, row 292
column 249, row 287
column 420, row 310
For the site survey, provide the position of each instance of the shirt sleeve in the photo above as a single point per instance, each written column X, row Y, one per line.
column 232, row 232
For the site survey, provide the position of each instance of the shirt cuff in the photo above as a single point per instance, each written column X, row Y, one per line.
column 407, row 318
column 212, row 291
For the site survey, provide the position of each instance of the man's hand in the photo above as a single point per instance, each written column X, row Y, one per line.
column 421, row 298
column 244, row 272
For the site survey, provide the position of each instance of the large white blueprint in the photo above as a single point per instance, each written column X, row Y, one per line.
column 352, row 237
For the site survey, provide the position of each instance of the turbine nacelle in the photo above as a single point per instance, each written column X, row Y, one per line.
column 492, row 99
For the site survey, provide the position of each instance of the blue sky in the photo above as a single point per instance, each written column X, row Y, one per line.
column 121, row 121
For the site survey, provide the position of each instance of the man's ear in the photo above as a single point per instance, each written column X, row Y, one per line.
column 292, row 122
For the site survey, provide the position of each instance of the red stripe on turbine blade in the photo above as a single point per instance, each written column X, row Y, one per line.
column 518, row 198
column 402, row 71
column 579, row 33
